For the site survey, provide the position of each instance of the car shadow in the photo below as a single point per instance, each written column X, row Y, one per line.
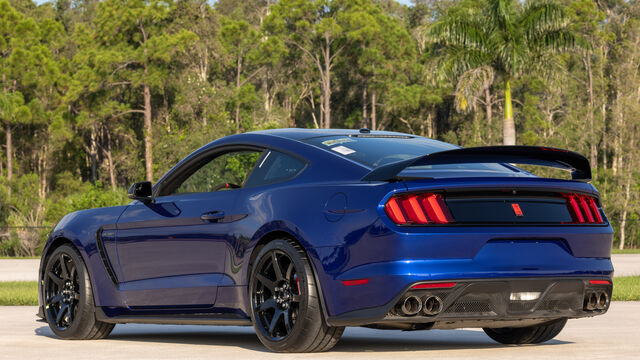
column 354, row 339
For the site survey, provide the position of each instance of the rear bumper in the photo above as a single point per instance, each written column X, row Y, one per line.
column 486, row 303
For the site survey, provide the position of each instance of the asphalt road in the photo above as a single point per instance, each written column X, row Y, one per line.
column 27, row 269
column 613, row 335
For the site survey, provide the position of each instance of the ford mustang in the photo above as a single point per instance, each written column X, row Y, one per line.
column 302, row 232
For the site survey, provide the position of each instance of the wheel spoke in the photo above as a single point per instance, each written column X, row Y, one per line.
column 60, row 313
column 54, row 299
column 276, row 266
column 70, row 310
column 290, row 270
column 73, row 273
column 266, row 282
column 64, row 271
column 287, row 321
column 268, row 304
column 56, row 279
column 274, row 321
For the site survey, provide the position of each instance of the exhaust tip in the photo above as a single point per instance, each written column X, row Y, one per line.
column 591, row 301
column 410, row 306
column 603, row 300
column 432, row 305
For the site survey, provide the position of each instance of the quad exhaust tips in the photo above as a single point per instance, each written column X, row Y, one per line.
column 596, row 300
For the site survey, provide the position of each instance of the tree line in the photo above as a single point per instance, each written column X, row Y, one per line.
column 98, row 94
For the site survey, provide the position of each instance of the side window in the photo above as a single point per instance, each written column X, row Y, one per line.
column 275, row 167
column 223, row 172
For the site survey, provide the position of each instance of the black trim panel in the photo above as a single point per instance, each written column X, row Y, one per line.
column 175, row 319
column 103, row 255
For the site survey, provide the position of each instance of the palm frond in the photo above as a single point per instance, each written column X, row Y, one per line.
column 500, row 13
column 457, row 32
column 556, row 41
column 542, row 16
column 470, row 86
column 458, row 60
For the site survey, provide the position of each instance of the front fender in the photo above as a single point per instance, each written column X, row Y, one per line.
column 80, row 228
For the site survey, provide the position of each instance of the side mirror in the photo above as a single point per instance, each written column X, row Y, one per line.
column 141, row 191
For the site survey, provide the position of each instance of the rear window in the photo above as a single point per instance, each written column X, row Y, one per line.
column 376, row 150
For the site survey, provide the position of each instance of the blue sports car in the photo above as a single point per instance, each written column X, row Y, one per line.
column 302, row 232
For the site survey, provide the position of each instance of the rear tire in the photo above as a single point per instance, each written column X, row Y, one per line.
column 285, row 305
column 527, row 335
column 69, row 308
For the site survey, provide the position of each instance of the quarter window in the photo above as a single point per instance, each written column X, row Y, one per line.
column 275, row 167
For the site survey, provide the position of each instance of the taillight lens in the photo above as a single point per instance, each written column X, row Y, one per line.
column 583, row 209
column 413, row 209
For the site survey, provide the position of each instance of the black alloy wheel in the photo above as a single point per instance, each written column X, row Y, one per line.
column 276, row 295
column 68, row 298
column 62, row 291
column 285, row 302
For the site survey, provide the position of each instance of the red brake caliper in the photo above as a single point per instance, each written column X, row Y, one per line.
column 297, row 282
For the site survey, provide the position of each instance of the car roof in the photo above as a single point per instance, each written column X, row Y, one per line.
column 303, row 133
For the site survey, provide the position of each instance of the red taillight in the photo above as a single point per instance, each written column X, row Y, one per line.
column 393, row 210
column 599, row 282
column 594, row 208
column 418, row 209
column 583, row 209
column 434, row 285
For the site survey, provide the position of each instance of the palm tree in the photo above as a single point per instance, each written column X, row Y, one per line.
column 504, row 36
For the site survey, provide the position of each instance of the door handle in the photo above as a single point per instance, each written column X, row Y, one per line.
column 212, row 216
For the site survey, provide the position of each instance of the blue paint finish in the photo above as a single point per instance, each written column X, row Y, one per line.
column 167, row 258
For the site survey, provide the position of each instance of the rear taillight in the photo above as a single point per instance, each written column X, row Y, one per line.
column 418, row 209
column 583, row 209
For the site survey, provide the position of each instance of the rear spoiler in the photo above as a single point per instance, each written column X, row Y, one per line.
column 531, row 155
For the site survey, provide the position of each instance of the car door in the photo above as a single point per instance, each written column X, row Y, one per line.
column 172, row 251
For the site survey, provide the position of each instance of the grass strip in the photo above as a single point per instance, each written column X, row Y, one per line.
column 625, row 251
column 626, row 288
column 18, row 293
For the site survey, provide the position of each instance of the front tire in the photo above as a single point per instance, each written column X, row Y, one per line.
column 527, row 335
column 69, row 308
column 285, row 306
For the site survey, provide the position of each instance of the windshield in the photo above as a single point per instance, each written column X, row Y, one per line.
column 376, row 150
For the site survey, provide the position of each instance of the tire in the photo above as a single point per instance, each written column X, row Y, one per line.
column 290, row 297
column 527, row 335
column 69, row 307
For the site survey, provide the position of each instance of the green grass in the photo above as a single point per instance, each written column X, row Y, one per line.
column 18, row 293
column 625, row 288
column 625, row 251
column 19, row 257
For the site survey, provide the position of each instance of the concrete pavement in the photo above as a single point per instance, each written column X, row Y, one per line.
column 27, row 269
column 19, row 269
column 626, row 264
column 613, row 335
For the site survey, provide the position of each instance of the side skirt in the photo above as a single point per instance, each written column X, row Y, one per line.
column 224, row 319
